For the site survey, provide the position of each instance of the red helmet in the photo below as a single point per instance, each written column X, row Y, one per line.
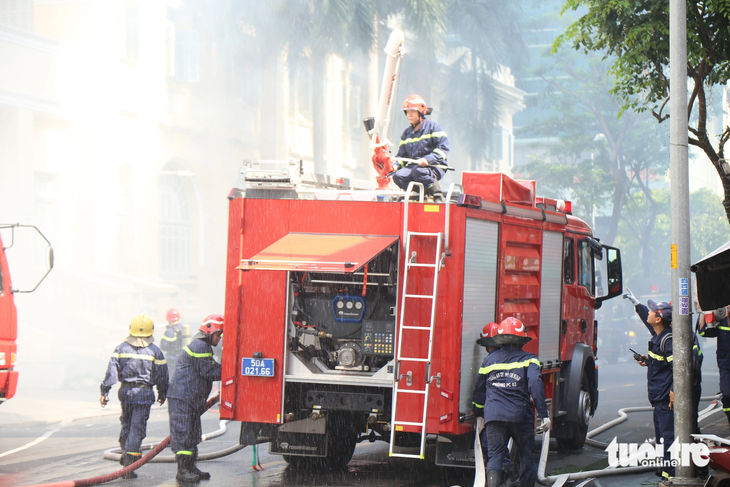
column 416, row 102
column 512, row 326
column 485, row 337
column 172, row 315
column 212, row 324
column 511, row 332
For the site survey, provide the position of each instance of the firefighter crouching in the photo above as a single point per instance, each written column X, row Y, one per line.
column 171, row 342
column 194, row 376
column 138, row 365
column 511, row 377
column 426, row 142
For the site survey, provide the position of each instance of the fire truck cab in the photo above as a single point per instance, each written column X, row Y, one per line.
column 8, row 314
column 352, row 314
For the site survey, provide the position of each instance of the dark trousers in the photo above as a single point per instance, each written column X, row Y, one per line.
column 725, row 389
column 134, row 426
column 185, row 429
column 696, row 394
column 523, row 438
column 664, row 429
column 420, row 174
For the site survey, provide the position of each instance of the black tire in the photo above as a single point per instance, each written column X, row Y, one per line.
column 580, row 427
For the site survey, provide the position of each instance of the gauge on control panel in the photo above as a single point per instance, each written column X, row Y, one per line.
column 340, row 304
column 358, row 305
column 349, row 305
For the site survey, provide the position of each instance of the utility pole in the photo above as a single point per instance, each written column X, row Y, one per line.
column 680, row 248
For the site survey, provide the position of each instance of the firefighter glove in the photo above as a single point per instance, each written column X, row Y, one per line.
column 630, row 296
column 543, row 425
column 161, row 398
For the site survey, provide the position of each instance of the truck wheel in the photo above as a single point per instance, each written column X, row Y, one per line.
column 580, row 427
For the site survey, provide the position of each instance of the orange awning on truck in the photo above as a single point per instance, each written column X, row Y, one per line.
column 318, row 252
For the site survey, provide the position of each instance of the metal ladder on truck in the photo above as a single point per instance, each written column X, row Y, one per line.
column 424, row 333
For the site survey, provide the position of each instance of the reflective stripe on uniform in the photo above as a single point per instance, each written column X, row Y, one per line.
column 724, row 328
column 699, row 352
column 183, row 452
column 160, row 362
column 670, row 358
column 133, row 355
column 510, row 366
column 423, row 137
column 197, row 355
column 168, row 339
column 726, row 409
column 134, row 453
column 440, row 152
column 480, row 406
column 656, row 357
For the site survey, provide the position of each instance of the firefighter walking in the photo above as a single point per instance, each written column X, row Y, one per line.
column 511, row 377
column 426, row 143
column 138, row 365
column 194, row 376
column 172, row 339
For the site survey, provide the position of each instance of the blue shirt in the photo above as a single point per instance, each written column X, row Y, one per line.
column 429, row 141
column 171, row 340
column 659, row 373
column 194, row 375
column 722, row 332
column 138, row 369
column 506, row 380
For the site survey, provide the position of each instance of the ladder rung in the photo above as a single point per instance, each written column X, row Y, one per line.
column 422, row 296
column 407, row 423
column 412, row 359
column 412, row 391
column 424, row 234
column 406, row 327
column 421, row 265
column 406, row 455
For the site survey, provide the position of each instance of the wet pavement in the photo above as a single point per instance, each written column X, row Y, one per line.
column 54, row 435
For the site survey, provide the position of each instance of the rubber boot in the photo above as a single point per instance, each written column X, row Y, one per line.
column 434, row 190
column 185, row 473
column 494, row 478
column 121, row 458
column 128, row 460
column 201, row 474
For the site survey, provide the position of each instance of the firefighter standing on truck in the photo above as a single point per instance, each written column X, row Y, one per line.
column 172, row 340
column 426, row 143
column 138, row 365
column 511, row 377
column 194, row 376
column 657, row 318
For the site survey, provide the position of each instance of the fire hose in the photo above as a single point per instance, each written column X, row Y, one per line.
column 146, row 458
column 559, row 480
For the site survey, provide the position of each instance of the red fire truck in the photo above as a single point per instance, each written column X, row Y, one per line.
column 8, row 315
column 352, row 315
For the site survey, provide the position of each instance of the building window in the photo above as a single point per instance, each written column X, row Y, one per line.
column 128, row 31
column 186, row 68
column 174, row 229
column 18, row 14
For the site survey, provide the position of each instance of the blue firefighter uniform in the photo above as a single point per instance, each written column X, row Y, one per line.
column 510, row 376
column 660, row 381
column 722, row 332
column 138, row 369
column 431, row 143
column 172, row 345
column 196, row 371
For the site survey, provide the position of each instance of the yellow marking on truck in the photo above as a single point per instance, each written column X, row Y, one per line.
column 398, row 428
column 431, row 208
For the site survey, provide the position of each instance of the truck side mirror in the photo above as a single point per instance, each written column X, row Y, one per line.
column 611, row 269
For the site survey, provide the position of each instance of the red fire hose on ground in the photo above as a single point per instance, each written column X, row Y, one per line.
column 120, row 473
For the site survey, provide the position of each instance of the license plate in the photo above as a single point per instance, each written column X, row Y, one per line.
column 258, row 367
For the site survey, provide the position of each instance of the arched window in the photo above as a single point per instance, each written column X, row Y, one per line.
column 174, row 228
